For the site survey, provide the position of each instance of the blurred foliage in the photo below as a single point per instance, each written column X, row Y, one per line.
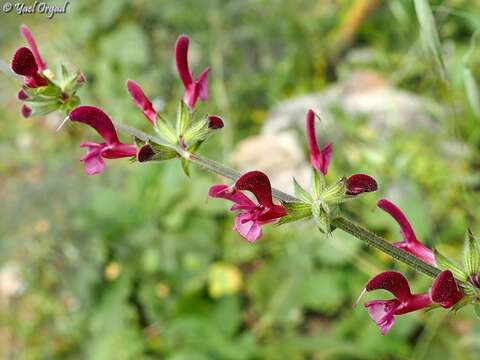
column 135, row 264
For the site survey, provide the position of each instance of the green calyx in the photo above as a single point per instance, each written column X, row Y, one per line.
column 322, row 203
column 468, row 272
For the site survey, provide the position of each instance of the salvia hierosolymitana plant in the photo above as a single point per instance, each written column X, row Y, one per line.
column 254, row 200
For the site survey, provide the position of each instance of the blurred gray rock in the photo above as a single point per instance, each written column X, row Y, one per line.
column 280, row 156
column 365, row 94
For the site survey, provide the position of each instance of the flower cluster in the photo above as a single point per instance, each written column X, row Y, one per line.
column 42, row 92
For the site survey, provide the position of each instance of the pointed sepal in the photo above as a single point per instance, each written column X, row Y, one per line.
column 472, row 254
column 447, row 263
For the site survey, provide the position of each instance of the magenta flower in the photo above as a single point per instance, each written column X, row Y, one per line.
column 112, row 148
column 444, row 292
column 251, row 216
column 194, row 89
column 140, row 99
column 320, row 159
column 410, row 243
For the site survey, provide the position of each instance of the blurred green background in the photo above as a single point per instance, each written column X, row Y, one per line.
column 136, row 264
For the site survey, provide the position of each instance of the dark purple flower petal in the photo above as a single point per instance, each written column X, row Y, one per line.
column 360, row 183
column 145, row 153
column 23, row 62
column 258, row 184
column 97, row 119
column 26, row 111
column 445, row 290
column 391, row 281
column 141, row 100
column 42, row 65
column 215, row 122
column 22, row 95
column 410, row 243
column 320, row 159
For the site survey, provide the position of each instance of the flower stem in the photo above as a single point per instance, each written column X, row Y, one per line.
column 340, row 222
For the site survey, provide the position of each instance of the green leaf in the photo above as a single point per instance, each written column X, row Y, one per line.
column 449, row 264
column 301, row 193
column 183, row 118
column 165, row 130
column 429, row 35
column 472, row 253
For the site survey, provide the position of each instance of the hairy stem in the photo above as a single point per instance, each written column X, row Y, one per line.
column 340, row 222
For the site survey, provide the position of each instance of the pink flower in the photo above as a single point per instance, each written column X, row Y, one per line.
column 320, row 159
column 140, row 99
column 410, row 243
column 194, row 89
column 360, row 183
column 444, row 292
column 112, row 148
column 251, row 216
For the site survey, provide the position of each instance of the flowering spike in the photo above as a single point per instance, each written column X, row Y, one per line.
column 251, row 215
column 410, row 243
column 141, row 100
column 320, row 159
column 360, row 183
column 445, row 290
column 194, row 89
column 42, row 65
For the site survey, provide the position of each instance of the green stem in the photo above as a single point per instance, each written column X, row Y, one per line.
column 340, row 222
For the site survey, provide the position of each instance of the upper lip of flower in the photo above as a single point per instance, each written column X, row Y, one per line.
column 42, row 65
column 194, row 88
column 320, row 159
column 141, row 100
column 410, row 243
